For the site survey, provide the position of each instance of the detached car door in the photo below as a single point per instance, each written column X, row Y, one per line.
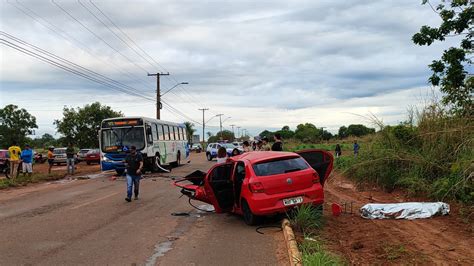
column 320, row 160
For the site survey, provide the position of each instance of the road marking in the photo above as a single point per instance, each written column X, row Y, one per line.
column 90, row 202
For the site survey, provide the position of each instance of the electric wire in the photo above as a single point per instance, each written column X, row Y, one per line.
column 97, row 36
column 77, row 43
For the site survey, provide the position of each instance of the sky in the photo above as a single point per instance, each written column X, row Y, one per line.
column 262, row 64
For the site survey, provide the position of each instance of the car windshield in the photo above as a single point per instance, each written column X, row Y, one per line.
column 281, row 166
column 228, row 145
column 59, row 151
column 116, row 139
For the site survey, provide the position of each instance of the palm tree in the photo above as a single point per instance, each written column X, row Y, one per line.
column 189, row 131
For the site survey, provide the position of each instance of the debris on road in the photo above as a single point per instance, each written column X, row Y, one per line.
column 407, row 210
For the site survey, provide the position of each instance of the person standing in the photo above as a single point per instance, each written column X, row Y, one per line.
column 70, row 159
column 356, row 148
column 265, row 145
column 27, row 160
column 278, row 145
column 50, row 159
column 14, row 152
column 246, row 146
column 134, row 164
column 338, row 150
column 221, row 155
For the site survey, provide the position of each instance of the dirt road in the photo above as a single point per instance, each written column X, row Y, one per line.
column 438, row 241
column 89, row 222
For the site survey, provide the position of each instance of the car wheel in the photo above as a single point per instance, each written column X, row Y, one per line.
column 249, row 217
column 209, row 157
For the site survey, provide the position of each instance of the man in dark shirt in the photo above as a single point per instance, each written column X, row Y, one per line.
column 278, row 145
column 134, row 164
column 70, row 153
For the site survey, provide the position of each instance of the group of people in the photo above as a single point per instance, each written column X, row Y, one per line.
column 17, row 156
column 355, row 147
column 258, row 145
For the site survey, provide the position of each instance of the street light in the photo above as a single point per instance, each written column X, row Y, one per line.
column 181, row 83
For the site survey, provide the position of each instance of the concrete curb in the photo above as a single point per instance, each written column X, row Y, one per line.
column 293, row 252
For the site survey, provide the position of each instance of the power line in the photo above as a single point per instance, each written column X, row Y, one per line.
column 98, row 78
column 97, row 36
column 64, row 35
column 73, row 65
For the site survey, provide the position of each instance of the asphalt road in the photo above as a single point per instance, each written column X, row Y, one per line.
column 89, row 222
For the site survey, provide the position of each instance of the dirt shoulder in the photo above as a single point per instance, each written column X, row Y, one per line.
column 440, row 240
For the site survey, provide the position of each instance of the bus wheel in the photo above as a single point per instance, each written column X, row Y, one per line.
column 178, row 159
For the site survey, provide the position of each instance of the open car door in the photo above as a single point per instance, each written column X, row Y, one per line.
column 322, row 161
column 215, row 188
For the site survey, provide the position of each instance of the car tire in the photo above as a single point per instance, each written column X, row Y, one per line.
column 249, row 217
column 209, row 157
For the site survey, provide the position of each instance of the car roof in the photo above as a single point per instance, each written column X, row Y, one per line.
column 259, row 156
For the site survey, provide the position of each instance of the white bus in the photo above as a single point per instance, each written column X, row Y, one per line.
column 160, row 142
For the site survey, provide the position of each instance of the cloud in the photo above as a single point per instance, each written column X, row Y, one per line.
column 265, row 63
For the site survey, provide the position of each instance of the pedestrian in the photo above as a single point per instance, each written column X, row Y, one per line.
column 278, row 145
column 265, row 145
column 50, row 159
column 259, row 146
column 246, row 146
column 221, row 155
column 356, row 148
column 235, row 152
column 70, row 153
column 254, row 145
column 27, row 160
column 14, row 152
column 134, row 164
column 338, row 150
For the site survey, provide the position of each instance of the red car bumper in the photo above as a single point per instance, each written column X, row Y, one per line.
column 264, row 204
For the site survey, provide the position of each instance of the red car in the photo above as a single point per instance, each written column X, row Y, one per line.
column 256, row 184
column 92, row 156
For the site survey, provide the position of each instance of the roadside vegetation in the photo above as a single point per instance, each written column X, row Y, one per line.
column 25, row 180
column 306, row 222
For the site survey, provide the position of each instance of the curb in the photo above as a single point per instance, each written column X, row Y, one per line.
column 293, row 252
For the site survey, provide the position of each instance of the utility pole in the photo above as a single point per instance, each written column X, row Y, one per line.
column 233, row 129
column 220, row 122
column 203, row 122
column 238, row 132
column 158, row 93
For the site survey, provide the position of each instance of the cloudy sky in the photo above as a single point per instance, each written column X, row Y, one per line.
column 264, row 64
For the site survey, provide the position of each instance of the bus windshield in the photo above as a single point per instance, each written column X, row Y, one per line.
column 116, row 139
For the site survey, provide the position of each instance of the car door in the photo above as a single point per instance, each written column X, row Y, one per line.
column 320, row 160
column 216, row 189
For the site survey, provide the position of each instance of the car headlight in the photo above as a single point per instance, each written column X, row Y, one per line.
column 105, row 159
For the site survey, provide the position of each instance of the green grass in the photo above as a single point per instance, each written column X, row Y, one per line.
column 313, row 253
column 24, row 180
column 306, row 218
column 431, row 158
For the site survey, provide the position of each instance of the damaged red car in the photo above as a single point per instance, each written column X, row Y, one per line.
column 257, row 184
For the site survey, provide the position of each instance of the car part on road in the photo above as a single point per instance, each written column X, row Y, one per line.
column 407, row 210
column 200, row 209
column 180, row 214
column 267, row 226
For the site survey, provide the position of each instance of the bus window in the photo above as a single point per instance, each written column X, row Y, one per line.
column 176, row 133
column 160, row 132
column 167, row 132
column 173, row 134
column 183, row 136
column 155, row 132
column 184, row 133
column 149, row 136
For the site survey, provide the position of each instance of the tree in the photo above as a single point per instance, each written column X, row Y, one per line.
column 45, row 141
column 449, row 72
column 343, row 132
column 308, row 132
column 286, row 133
column 225, row 135
column 15, row 124
column 189, row 131
column 80, row 126
column 267, row 133
column 359, row 130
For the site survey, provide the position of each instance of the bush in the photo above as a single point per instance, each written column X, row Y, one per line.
column 314, row 254
column 306, row 218
column 433, row 157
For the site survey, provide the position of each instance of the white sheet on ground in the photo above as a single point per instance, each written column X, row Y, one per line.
column 407, row 210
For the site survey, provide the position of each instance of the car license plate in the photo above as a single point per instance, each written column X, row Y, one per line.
column 292, row 201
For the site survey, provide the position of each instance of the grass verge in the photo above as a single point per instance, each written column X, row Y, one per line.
column 306, row 221
column 24, row 180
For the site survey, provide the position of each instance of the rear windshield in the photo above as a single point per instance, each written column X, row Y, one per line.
column 59, row 151
column 280, row 166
